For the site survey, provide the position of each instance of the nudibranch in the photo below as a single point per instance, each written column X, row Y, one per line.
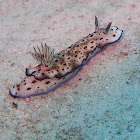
column 56, row 69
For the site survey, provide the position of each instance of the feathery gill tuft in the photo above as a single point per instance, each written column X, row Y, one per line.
column 45, row 55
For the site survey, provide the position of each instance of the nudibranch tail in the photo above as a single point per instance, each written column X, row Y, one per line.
column 56, row 69
column 32, row 87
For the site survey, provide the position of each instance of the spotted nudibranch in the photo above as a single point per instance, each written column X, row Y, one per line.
column 56, row 69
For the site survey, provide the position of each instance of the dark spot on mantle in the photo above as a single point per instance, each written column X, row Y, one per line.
column 34, row 81
column 47, row 82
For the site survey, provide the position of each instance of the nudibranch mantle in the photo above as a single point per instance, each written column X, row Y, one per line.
column 56, row 69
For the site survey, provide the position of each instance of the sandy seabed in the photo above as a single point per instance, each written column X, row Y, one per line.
column 102, row 102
